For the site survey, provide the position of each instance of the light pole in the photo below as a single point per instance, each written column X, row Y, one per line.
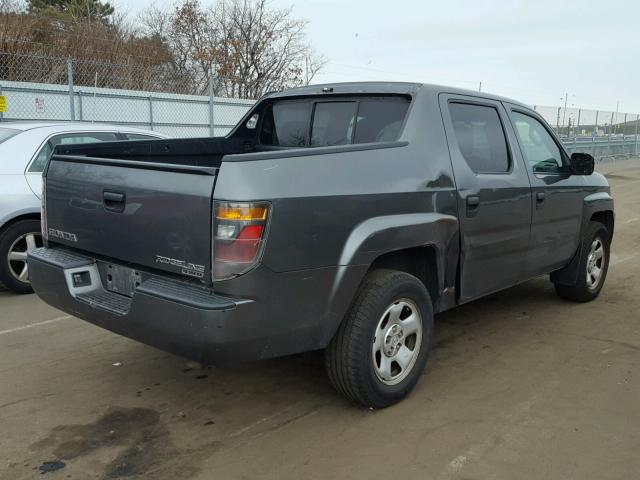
column 564, row 114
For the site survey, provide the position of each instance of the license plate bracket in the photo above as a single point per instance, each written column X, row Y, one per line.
column 122, row 280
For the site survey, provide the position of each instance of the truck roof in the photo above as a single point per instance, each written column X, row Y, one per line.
column 406, row 88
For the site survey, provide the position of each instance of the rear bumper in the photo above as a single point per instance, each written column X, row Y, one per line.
column 177, row 317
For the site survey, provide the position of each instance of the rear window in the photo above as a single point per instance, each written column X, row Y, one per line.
column 309, row 123
column 7, row 133
column 286, row 124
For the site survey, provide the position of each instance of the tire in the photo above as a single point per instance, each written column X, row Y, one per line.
column 14, row 239
column 588, row 286
column 360, row 359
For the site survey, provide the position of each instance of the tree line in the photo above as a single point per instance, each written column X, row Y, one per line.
column 244, row 47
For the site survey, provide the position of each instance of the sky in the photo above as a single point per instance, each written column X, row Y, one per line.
column 534, row 51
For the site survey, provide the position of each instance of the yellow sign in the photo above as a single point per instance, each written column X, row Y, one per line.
column 3, row 103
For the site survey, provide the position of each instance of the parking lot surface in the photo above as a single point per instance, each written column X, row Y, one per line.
column 520, row 385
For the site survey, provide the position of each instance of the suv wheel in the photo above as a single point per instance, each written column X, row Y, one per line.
column 381, row 348
column 593, row 267
column 15, row 241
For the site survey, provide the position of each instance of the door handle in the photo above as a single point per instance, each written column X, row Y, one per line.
column 473, row 202
column 540, row 197
column 113, row 201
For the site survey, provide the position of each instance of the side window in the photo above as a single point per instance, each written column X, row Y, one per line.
column 139, row 136
column 38, row 164
column 333, row 123
column 480, row 137
column 40, row 161
column 540, row 150
column 76, row 138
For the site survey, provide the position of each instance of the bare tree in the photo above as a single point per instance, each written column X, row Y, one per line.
column 249, row 47
column 34, row 48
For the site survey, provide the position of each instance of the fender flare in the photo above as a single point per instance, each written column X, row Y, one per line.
column 385, row 234
column 593, row 203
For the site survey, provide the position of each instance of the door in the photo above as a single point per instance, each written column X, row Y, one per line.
column 494, row 195
column 557, row 195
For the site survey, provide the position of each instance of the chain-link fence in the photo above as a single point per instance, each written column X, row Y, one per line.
column 604, row 134
column 153, row 97
column 182, row 104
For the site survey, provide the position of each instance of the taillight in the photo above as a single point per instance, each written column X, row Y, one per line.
column 238, row 237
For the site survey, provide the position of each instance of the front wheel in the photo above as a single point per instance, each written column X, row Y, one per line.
column 381, row 348
column 593, row 267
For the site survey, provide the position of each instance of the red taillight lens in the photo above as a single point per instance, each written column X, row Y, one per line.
column 244, row 248
column 239, row 230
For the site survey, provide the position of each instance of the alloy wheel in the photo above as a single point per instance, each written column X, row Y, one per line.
column 397, row 341
column 17, row 256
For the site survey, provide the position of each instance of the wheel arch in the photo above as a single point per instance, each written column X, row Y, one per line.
column 597, row 207
column 25, row 215
column 607, row 218
column 425, row 245
column 421, row 262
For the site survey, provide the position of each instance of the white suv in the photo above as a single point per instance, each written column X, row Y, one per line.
column 24, row 151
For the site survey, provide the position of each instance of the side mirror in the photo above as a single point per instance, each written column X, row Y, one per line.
column 582, row 164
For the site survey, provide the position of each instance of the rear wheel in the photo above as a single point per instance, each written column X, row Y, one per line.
column 594, row 264
column 15, row 242
column 380, row 350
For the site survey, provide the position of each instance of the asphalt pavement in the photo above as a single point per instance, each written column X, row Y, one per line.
column 520, row 385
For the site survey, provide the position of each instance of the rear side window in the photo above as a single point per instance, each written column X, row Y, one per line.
column 38, row 164
column 139, row 136
column 480, row 137
column 309, row 123
column 7, row 133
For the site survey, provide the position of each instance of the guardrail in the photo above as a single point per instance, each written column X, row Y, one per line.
column 604, row 147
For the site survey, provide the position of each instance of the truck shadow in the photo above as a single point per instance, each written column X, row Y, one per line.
column 163, row 416
column 302, row 376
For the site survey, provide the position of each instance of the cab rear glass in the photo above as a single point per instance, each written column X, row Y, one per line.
column 330, row 122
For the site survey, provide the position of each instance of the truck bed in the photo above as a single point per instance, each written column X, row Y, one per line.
column 201, row 152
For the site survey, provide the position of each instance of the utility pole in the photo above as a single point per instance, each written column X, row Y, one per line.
column 564, row 115
column 616, row 119
column 637, row 122
column 480, row 87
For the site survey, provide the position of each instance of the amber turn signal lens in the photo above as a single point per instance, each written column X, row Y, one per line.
column 246, row 214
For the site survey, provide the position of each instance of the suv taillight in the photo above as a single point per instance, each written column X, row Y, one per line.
column 238, row 237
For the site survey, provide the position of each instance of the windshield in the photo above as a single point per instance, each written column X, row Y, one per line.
column 6, row 133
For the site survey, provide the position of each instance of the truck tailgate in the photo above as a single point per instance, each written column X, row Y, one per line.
column 153, row 215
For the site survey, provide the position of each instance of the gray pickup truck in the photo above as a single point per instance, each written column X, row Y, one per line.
column 337, row 217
